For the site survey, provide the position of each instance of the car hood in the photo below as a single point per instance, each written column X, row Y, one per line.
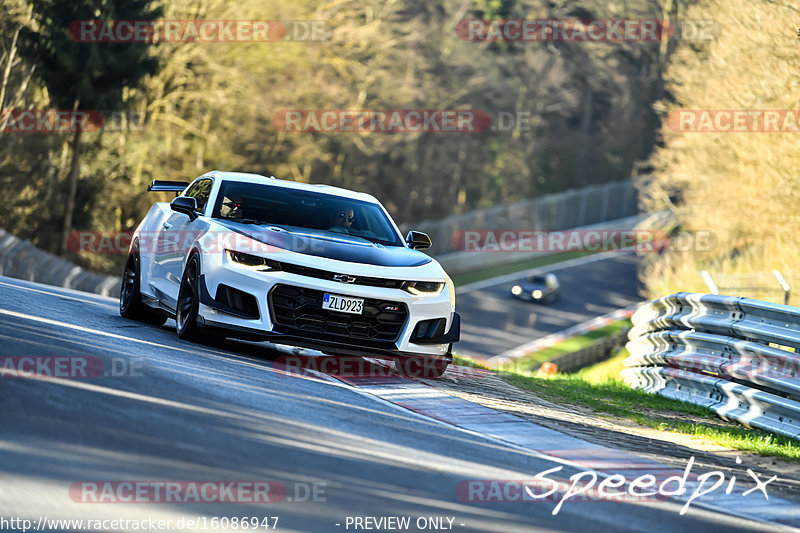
column 339, row 246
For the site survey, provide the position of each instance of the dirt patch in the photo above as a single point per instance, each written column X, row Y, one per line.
column 666, row 447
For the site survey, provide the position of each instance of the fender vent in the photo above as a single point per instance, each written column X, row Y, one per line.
column 243, row 303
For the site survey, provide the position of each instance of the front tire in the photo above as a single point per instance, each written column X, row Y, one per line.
column 130, row 295
column 189, row 301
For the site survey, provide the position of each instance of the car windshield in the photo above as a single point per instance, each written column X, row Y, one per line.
column 288, row 208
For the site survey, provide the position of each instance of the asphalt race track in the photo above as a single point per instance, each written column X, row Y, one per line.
column 493, row 321
column 162, row 409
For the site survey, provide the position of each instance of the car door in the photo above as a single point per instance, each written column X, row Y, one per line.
column 177, row 234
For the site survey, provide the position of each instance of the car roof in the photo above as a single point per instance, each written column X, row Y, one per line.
column 540, row 278
column 245, row 177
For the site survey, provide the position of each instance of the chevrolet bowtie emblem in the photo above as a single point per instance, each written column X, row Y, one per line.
column 344, row 278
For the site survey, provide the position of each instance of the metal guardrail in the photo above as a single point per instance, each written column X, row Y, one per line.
column 737, row 356
column 509, row 356
column 21, row 259
column 598, row 351
column 568, row 209
column 459, row 262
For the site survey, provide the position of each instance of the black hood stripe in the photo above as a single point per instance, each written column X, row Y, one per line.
column 335, row 246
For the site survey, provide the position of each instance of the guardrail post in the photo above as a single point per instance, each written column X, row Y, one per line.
column 709, row 282
column 785, row 286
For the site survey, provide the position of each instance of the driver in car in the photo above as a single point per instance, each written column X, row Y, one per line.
column 232, row 206
column 341, row 217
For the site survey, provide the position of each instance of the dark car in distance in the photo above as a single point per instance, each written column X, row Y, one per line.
column 539, row 288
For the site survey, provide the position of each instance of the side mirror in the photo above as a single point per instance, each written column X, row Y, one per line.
column 417, row 240
column 186, row 205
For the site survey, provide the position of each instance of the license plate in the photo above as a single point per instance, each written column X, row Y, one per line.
column 343, row 304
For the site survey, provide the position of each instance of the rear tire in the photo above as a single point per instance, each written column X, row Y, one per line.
column 421, row 367
column 130, row 295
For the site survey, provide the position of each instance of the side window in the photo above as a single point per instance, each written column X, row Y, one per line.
column 200, row 191
column 192, row 190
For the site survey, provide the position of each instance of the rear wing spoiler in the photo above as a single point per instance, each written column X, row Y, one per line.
column 170, row 186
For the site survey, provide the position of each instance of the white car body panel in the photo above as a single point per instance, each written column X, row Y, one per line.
column 164, row 253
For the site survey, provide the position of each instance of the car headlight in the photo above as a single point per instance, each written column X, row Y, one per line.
column 451, row 287
column 537, row 294
column 516, row 290
column 262, row 264
column 423, row 288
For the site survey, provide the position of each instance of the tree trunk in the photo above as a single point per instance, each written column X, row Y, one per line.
column 586, row 130
column 54, row 175
column 73, row 189
column 7, row 73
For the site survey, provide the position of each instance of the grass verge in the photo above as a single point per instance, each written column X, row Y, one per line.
column 604, row 370
column 462, row 360
column 501, row 270
column 572, row 344
column 616, row 398
column 599, row 388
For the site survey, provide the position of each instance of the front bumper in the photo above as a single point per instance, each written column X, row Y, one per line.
column 258, row 322
column 328, row 347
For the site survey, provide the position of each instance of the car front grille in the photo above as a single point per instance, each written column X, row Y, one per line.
column 298, row 311
column 325, row 274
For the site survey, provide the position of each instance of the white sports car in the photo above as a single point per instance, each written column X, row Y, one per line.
column 312, row 266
